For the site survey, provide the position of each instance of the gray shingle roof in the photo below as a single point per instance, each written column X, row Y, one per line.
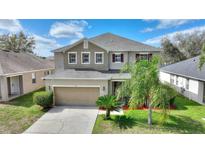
column 188, row 68
column 11, row 62
column 88, row 74
column 112, row 42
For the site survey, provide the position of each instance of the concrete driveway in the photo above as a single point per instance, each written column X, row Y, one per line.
column 66, row 120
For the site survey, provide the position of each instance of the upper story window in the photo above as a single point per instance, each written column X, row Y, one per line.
column 117, row 58
column 33, row 77
column 143, row 57
column 85, row 57
column 99, row 57
column 72, row 57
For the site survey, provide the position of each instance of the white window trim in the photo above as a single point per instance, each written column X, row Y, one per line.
column 69, row 57
column 82, row 57
column 120, row 57
column 102, row 57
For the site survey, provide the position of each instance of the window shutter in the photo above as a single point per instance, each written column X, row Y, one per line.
column 137, row 57
column 122, row 57
column 113, row 57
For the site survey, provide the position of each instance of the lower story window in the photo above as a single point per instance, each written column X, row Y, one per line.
column 172, row 79
column 187, row 84
column 143, row 57
column 33, row 77
column 177, row 80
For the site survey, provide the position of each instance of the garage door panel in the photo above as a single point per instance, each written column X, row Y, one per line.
column 76, row 95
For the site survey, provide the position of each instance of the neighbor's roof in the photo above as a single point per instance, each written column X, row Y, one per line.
column 112, row 42
column 12, row 62
column 188, row 68
column 87, row 75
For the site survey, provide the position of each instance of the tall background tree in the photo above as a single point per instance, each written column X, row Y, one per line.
column 202, row 57
column 182, row 46
column 17, row 42
column 170, row 53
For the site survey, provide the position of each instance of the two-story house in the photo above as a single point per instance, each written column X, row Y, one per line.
column 90, row 68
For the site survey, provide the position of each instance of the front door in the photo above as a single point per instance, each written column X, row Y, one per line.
column 115, row 86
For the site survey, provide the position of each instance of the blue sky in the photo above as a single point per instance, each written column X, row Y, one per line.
column 51, row 34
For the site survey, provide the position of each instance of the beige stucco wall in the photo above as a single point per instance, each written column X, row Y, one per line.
column 59, row 61
column 103, row 84
column 4, row 88
column 28, row 86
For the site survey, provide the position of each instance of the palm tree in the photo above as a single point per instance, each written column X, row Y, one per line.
column 108, row 102
column 144, row 86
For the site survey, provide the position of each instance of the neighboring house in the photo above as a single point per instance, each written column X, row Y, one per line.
column 21, row 73
column 90, row 68
column 187, row 78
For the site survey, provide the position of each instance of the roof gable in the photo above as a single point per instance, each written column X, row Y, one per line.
column 112, row 42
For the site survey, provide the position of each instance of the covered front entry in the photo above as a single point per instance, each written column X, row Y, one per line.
column 15, row 86
column 85, row 96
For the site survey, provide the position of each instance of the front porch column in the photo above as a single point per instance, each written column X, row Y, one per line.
column 4, row 88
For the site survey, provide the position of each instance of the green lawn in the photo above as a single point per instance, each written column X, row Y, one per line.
column 17, row 116
column 187, row 118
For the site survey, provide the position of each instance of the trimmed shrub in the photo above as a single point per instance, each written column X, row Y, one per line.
column 43, row 98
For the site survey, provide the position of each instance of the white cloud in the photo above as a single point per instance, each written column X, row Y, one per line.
column 169, row 23
column 147, row 30
column 70, row 29
column 44, row 45
column 157, row 40
column 10, row 25
column 165, row 23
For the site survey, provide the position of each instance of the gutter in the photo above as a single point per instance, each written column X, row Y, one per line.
column 20, row 73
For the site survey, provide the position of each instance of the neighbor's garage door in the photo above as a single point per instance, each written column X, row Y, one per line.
column 76, row 95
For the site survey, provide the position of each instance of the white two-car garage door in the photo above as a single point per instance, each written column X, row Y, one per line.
column 76, row 95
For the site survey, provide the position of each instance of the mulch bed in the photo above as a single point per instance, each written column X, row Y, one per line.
column 125, row 107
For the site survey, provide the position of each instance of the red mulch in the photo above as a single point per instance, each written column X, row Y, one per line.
column 125, row 107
